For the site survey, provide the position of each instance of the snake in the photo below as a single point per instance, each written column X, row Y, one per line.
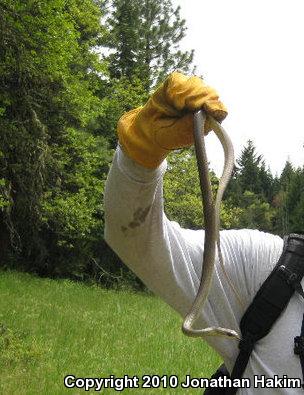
column 211, row 212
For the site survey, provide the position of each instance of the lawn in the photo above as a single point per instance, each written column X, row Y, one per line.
column 50, row 329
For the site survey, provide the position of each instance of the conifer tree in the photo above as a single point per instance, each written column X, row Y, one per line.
column 48, row 83
column 281, row 192
column 252, row 174
column 295, row 202
column 286, row 175
column 248, row 168
column 145, row 37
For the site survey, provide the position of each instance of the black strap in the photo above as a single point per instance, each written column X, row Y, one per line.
column 221, row 372
column 299, row 347
column 245, row 346
column 270, row 301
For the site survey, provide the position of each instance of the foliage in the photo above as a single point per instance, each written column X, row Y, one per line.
column 59, row 106
column 182, row 194
column 281, row 191
column 255, row 213
column 144, row 37
column 118, row 96
column 182, row 191
column 250, row 174
column 48, row 83
column 72, row 210
column 4, row 199
column 295, row 202
column 251, row 190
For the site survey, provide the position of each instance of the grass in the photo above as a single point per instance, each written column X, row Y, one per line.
column 49, row 329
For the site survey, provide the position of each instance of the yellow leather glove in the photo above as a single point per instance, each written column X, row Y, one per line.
column 147, row 134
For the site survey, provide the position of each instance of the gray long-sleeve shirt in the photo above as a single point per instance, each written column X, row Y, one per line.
column 168, row 259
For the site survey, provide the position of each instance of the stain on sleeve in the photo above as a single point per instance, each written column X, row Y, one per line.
column 139, row 217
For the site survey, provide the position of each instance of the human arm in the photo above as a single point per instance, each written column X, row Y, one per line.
column 164, row 123
column 165, row 256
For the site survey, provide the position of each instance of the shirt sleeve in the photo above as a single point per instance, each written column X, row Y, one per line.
column 137, row 229
column 168, row 258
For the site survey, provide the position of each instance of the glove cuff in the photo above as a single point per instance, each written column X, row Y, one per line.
column 137, row 141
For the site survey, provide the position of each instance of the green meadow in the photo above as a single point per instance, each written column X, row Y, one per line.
column 53, row 328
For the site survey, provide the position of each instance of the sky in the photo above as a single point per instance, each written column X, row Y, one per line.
column 251, row 52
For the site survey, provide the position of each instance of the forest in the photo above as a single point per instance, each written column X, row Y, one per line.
column 68, row 70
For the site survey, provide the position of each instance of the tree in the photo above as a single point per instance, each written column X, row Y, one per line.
column 59, row 108
column 249, row 169
column 255, row 213
column 182, row 195
column 251, row 190
column 282, row 187
column 117, row 97
column 295, row 202
column 71, row 210
column 250, row 174
column 266, row 182
column 48, row 83
column 286, row 175
column 144, row 38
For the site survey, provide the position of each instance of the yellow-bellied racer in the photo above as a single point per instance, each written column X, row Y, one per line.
column 211, row 208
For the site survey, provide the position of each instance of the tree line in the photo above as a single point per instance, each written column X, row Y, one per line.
column 254, row 199
column 68, row 70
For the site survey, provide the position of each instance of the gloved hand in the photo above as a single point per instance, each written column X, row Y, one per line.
column 147, row 134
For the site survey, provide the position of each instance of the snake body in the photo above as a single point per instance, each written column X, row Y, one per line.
column 211, row 210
